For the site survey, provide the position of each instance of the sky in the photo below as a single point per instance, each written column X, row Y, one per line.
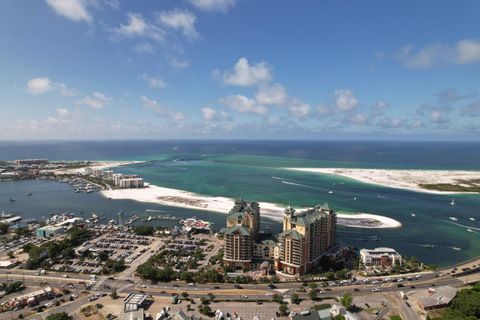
column 240, row 69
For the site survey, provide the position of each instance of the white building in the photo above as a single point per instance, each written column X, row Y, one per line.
column 88, row 171
column 380, row 257
column 108, row 175
column 97, row 173
column 131, row 183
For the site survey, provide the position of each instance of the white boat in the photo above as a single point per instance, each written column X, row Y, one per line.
column 472, row 219
column 354, row 198
column 452, row 203
column 453, row 218
column 330, row 192
column 469, row 230
column 429, row 245
column 94, row 216
column 456, row 248
column 413, row 215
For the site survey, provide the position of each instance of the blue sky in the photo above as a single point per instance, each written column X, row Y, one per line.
column 161, row 69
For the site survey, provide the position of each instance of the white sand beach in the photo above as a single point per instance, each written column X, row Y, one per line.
column 185, row 199
column 98, row 165
column 401, row 179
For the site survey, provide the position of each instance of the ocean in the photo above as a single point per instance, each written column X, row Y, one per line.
column 252, row 170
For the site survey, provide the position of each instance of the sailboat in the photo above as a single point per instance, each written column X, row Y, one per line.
column 452, row 203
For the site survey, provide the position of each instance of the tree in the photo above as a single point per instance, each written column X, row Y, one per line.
column 59, row 316
column 312, row 285
column 11, row 255
column 103, row 255
column 3, row 228
column 282, row 310
column 144, row 230
column 312, row 294
column 346, row 300
column 295, row 299
column 114, row 294
column 205, row 310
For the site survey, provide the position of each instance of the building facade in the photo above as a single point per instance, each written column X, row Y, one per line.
column 306, row 237
column 242, row 231
column 385, row 257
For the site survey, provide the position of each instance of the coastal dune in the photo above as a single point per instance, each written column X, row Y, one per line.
column 180, row 198
column 414, row 180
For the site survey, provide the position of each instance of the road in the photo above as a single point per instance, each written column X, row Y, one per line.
column 251, row 292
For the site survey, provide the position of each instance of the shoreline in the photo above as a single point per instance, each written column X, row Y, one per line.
column 102, row 165
column 185, row 199
column 406, row 179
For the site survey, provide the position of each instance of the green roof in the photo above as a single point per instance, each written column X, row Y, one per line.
column 312, row 215
column 292, row 233
column 240, row 229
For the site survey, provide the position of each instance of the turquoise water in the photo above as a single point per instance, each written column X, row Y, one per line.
column 253, row 171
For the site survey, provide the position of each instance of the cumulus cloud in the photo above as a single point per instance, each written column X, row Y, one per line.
column 244, row 74
column 75, row 10
column 210, row 114
column 162, row 110
column 63, row 112
column 181, row 20
column 243, row 104
column 299, row 109
column 138, row 26
column 463, row 52
column 345, row 100
column 96, row 100
column 153, row 82
column 43, row 85
column 272, row 95
column 357, row 118
column 213, row 5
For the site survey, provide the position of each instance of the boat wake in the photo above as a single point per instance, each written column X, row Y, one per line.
column 469, row 228
column 299, row 185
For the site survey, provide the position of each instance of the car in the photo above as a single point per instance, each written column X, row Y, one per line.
column 413, row 287
column 49, row 304
column 356, row 289
column 272, row 286
column 376, row 290
column 74, row 296
column 237, row 286
column 400, row 285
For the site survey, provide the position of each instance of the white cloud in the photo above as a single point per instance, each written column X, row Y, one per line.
column 213, row 5
column 75, row 10
column 96, row 100
column 463, row 52
column 138, row 26
column 208, row 113
column 179, row 64
column 182, row 20
column 43, row 85
column 243, row 104
column 357, row 119
column 468, row 51
column 39, row 85
column 272, row 95
column 244, row 74
column 63, row 112
column 299, row 109
column 345, row 100
column 153, row 82
column 161, row 110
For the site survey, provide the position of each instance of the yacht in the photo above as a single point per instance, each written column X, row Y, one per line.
column 452, row 203
column 469, row 230
column 413, row 215
column 456, row 248
column 354, row 198
column 472, row 219
column 429, row 246
column 453, row 218
column 330, row 192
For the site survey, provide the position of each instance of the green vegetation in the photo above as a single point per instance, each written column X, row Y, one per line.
column 346, row 300
column 3, row 228
column 12, row 287
column 56, row 250
column 144, row 230
column 59, row 316
column 322, row 306
column 395, row 317
column 465, row 306
column 472, row 187
column 114, row 266
column 295, row 299
column 312, row 294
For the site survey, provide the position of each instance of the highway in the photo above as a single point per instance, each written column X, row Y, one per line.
column 250, row 292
